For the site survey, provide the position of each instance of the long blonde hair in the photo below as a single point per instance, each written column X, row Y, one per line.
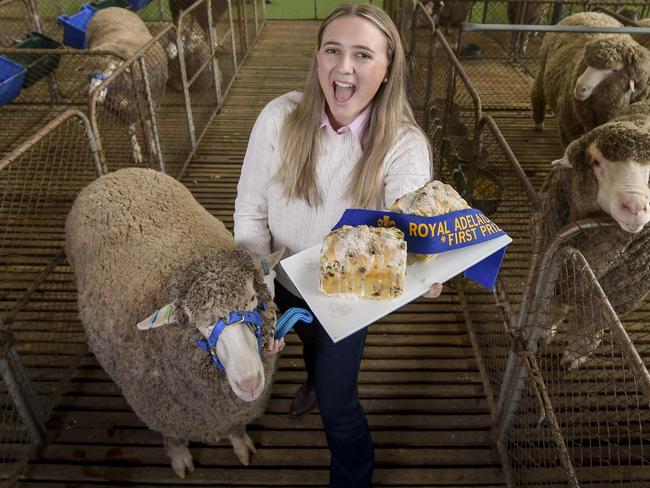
column 299, row 141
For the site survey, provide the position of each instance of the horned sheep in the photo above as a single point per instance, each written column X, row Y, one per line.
column 587, row 79
column 603, row 173
column 123, row 33
column 138, row 241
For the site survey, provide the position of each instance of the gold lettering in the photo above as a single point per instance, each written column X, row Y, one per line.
column 413, row 229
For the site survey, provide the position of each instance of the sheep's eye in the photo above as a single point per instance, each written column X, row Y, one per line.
column 594, row 162
column 253, row 298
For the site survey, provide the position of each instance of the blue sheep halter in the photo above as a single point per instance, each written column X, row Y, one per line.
column 253, row 318
column 283, row 326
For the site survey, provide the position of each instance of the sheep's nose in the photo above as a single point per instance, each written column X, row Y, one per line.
column 581, row 91
column 635, row 204
column 250, row 384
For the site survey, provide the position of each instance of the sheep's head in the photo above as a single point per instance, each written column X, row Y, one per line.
column 608, row 62
column 98, row 68
column 206, row 291
column 617, row 156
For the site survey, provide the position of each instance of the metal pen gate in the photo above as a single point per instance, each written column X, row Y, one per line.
column 565, row 376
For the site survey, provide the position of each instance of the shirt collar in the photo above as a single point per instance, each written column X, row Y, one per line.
column 356, row 126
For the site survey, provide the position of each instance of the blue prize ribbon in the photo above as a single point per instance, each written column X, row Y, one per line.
column 434, row 235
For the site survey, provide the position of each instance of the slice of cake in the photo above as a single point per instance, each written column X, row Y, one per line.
column 434, row 198
column 362, row 261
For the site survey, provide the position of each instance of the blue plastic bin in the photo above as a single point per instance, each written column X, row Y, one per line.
column 74, row 26
column 12, row 77
column 138, row 4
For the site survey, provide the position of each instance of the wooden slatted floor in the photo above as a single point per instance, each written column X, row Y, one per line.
column 419, row 382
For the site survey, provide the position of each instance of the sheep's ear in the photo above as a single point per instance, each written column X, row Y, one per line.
column 574, row 154
column 638, row 59
column 562, row 163
column 169, row 314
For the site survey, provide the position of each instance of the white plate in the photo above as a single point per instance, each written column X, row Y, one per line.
column 342, row 316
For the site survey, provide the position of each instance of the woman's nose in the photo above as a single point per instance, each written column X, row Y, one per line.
column 345, row 65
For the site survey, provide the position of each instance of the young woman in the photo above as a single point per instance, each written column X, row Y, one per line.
column 349, row 139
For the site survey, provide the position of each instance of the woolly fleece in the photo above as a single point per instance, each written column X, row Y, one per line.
column 619, row 259
column 126, row 235
column 563, row 61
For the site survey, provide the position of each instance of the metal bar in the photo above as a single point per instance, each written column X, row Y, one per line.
column 37, row 19
column 161, row 11
column 35, row 138
column 8, row 372
column 257, row 27
column 470, row 27
column 621, row 337
column 186, row 90
column 152, row 114
column 565, row 458
column 243, row 30
column 489, row 393
column 34, row 285
column 213, row 55
column 513, row 380
column 232, row 37
column 533, row 197
column 427, row 99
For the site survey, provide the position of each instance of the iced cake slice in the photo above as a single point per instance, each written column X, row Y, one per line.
column 362, row 261
column 434, row 198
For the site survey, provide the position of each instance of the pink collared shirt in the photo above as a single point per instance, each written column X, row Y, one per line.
column 356, row 126
column 266, row 221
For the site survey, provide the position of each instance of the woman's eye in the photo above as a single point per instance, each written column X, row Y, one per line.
column 364, row 55
column 331, row 50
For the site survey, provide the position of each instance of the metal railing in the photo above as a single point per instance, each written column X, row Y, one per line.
column 41, row 344
column 198, row 57
column 562, row 350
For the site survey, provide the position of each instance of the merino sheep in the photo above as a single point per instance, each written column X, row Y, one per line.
column 587, row 79
column 524, row 12
column 123, row 33
column 604, row 173
column 138, row 241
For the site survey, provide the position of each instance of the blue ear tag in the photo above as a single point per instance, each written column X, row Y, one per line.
column 289, row 318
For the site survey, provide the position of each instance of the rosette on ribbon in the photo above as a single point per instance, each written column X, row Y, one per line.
column 434, row 235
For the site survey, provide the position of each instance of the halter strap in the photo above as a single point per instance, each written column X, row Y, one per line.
column 210, row 344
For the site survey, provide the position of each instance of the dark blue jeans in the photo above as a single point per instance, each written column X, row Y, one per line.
column 333, row 369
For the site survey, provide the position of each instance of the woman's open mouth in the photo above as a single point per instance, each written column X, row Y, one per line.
column 343, row 91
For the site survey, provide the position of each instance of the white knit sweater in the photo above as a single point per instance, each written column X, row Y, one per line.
column 266, row 221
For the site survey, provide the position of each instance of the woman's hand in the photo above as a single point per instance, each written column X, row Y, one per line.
column 273, row 346
column 434, row 291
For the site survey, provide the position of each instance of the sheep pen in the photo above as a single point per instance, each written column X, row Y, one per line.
column 123, row 33
column 138, row 241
